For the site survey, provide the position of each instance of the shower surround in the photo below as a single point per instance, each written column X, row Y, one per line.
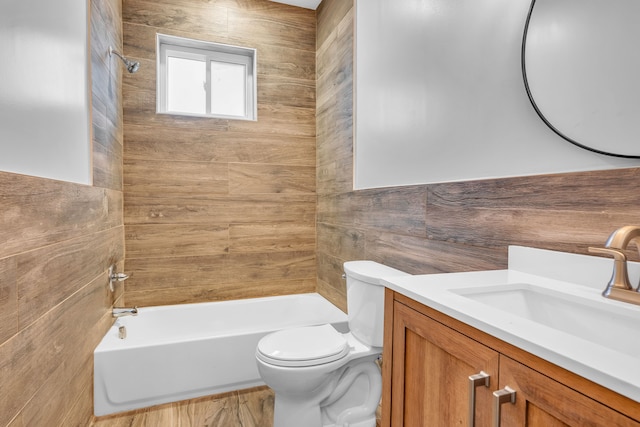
column 220, row 209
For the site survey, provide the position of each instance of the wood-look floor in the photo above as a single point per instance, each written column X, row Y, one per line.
column 244, row 408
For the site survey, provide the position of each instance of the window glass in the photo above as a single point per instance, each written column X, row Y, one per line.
column 228, row 88
column 186, row 84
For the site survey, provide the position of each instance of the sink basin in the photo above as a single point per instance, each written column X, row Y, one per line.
column 597, row 321
column 549, row 304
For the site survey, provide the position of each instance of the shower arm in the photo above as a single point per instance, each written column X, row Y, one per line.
column 132, row 66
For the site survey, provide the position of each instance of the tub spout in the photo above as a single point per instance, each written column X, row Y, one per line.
column 120, row 312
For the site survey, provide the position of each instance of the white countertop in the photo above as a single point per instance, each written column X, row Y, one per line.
column 614, row 364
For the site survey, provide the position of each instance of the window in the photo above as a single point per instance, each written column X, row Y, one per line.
column 198, row 78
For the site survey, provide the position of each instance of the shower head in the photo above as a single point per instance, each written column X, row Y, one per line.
column 132, row 66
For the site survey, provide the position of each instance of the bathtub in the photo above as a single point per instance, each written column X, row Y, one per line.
column 180, row 352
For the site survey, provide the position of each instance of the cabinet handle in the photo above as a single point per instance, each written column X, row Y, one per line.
column 475, row 381
column 506, row 395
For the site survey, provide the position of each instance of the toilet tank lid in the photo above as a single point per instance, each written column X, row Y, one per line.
column 370, row 271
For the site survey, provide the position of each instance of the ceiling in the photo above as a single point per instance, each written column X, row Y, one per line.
column 307, row 4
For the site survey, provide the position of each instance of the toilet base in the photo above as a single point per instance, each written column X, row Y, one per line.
column 293, row 413
column 370, row 422
column 349, row 399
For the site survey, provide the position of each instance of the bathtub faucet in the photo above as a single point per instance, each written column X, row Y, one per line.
column 120, row 312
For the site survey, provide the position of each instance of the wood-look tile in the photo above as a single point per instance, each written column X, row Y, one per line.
column 195, row 17
column 272, row 208
column 417, row 255
column 342, row 242
column 101, row 87
column 8, row 299
column 115, row 205
column 256, row 407
column 140, row 109
column 161, row 415
column 47, row 276
column 17, row 422
column 140, row 42
column 334, row 293
column 243, row 408
column 586, row 191
column 400, row 210
column 141, row 209
column 286, row 91
column 329, row 14
column 81, row 413
column 279, row 119
column 276, row 31
column 263, row 178
column 175, row 240
column 275, row 11
column 331, row 269
column 271, row 237
column 220, row 411
column 36, row 212
column 285, row 62
column 242, row 209
column 154, row 274
column 146, row 143
column 107, row 152
column 218, row 291
column 564, row 212
column 247, row 267
column 335, row 105
column 57, row 340
column 179, row 179
column 77, row 378
column 335, row 176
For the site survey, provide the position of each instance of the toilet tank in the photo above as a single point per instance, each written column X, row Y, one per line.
column 365, row 299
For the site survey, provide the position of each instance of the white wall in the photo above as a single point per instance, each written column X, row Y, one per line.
column 440, row 96
column 44, row 107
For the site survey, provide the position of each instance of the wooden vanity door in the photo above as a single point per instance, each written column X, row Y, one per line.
column 430, row 373
column 544, row 402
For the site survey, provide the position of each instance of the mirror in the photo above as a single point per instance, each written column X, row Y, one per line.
column 580, row 65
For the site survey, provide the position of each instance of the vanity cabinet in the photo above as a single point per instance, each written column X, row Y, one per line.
column 440, row 372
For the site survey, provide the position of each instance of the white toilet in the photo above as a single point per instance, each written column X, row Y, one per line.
column 322, row 378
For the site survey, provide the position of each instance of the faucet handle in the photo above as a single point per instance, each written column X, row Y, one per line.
column 114, row 276
column 620, row 277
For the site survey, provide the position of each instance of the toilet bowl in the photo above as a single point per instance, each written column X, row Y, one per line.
column 321, row 377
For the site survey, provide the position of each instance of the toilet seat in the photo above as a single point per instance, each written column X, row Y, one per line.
column 306, row 346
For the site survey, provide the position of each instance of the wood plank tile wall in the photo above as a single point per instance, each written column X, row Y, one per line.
column 221, row 209
column 441, row 227
column 57, row 242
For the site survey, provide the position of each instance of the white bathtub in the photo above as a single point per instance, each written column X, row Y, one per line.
column 179, row 352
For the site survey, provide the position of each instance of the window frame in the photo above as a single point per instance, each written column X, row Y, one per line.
column 181, row 47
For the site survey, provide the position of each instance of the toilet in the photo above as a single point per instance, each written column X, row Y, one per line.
column 321, row 377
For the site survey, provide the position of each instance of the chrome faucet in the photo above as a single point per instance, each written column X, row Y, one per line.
column 121, row 312
column 619, row 287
